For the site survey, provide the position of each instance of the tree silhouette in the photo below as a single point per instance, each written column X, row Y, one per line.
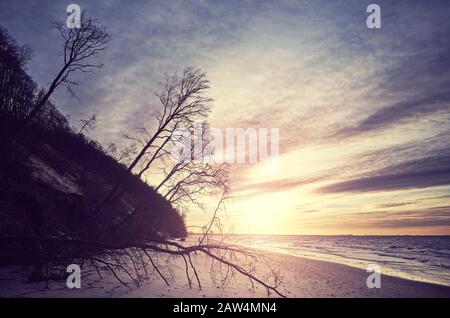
column 80, row 46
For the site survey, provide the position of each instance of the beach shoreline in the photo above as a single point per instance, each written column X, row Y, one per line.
column 302, row 278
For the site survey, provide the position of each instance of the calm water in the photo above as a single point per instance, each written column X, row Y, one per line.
column 422, row 258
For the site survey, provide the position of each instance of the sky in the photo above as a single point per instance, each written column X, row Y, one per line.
column 363, row 113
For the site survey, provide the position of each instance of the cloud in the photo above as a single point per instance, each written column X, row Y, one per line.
column 438, row 216
column 395, row 204
column 423, row 179
column 414, row 81
column 430, row 171
column 431, row 217
column 407, row 110
column 248, row 190
column 310, row 68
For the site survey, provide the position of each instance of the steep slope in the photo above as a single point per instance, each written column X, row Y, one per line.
column 52, row 183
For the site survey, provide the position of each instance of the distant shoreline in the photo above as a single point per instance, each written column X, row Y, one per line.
column 328, row 235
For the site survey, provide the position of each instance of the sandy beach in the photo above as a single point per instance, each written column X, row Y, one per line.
column 301, row 278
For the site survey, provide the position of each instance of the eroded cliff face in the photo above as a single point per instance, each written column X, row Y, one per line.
column 44, row 192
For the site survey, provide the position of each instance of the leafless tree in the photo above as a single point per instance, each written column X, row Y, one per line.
column 111, row 150
column 88, row 124
column 130, row 262
column 183, row 183
column 183, row 102
column 17, row 89
column 186, row 181
column 80, row 46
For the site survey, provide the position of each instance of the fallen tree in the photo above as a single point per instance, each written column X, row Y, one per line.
column 134, row 259
column 64, row 200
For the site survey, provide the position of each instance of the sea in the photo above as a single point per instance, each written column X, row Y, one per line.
column 419, row 258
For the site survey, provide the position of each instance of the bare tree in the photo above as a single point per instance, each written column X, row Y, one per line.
column 188, row 179
column 183, row 183
column 183, row 102
column 183, row 179
column 17, row 89
column 133, row 259
column 88, row 124
column 111, row 150
column 80, row 46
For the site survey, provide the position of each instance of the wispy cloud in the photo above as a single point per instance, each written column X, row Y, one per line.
column 406, row 110
column 429, row 171
column 362, row 113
